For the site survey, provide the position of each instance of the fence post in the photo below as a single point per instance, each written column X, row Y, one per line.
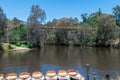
column 107, row 77
column 87, row 71
column 94, row 76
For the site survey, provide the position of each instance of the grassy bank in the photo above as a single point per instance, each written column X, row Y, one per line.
column 9, row 47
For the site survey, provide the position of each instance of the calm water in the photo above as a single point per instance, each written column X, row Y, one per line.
column 101, row 60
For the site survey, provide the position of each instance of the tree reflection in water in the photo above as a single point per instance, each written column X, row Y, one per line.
column 102, row 60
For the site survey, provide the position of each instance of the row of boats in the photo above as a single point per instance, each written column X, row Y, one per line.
column 50, row 75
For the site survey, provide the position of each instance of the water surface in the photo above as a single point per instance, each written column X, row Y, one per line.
column 101, row 60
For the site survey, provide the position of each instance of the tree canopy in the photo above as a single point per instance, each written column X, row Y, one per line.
column 116, row 12
column 107, row 30
column 3, row 25
column 35, row 20
column 96, row 29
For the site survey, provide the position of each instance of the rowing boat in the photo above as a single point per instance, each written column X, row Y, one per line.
column 51, row 75
column 11, row 76
column 37, row 75
column 63, row 75
column 74, row 75
column 24, row 76
column 1, row 76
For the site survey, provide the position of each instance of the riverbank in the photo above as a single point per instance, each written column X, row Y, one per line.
column 14, row 47
column 11, row 47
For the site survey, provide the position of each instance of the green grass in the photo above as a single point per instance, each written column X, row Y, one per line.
column 21, row 44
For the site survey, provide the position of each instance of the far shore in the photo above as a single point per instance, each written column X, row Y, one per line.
column 20, row 48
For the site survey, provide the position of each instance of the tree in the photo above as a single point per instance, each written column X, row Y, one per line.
column 92, row 18
column 66, row 22
column 35, row 20
column 116, row 12
column 54, row 22
column 84, row 17
column 16, row 30
column 8, row 31
column 107, row 29
column 61, row 37
column 73, row 21
column 18, row 33
column 16, row 21
column 3, row 25
column 99, row 12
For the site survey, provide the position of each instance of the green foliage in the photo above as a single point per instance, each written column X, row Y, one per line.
column 107, row 29
column 71, row 43
column 3, row 25
column 106, row 33
column 41, row 44
column 118, row 23
column 92, row 40
column 92, row 18
column 19, row 33
column 51, row 37
column 35, row 35
column 22, row 44
column 61, row 37
column 84, row 17
column 72, row 38
column 5, row 46
column 92, row 21
column 37, row 16
column 116, row 12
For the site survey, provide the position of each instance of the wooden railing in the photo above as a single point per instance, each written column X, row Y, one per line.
column 67, row 28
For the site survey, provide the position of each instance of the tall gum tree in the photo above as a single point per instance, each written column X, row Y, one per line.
column 116, row 12
column 3, row 25
column 35, row 20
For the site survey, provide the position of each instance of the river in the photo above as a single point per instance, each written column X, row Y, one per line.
column 102, row 60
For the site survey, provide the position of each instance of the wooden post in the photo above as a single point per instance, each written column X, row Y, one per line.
column 87, row 71
column 107, row 77
column 94, row 76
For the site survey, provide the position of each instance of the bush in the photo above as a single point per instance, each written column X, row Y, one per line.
column 17, row 43
column 71, row 43
column 5, row 46
column 22, row 44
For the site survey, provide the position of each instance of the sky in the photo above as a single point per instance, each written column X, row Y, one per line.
column 56, row 8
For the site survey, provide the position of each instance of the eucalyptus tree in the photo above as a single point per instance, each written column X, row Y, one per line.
column 92, row 18
column 84, row 17
column 116, row 12
column 3, row 25
column 107, row 30
column 35, row 20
